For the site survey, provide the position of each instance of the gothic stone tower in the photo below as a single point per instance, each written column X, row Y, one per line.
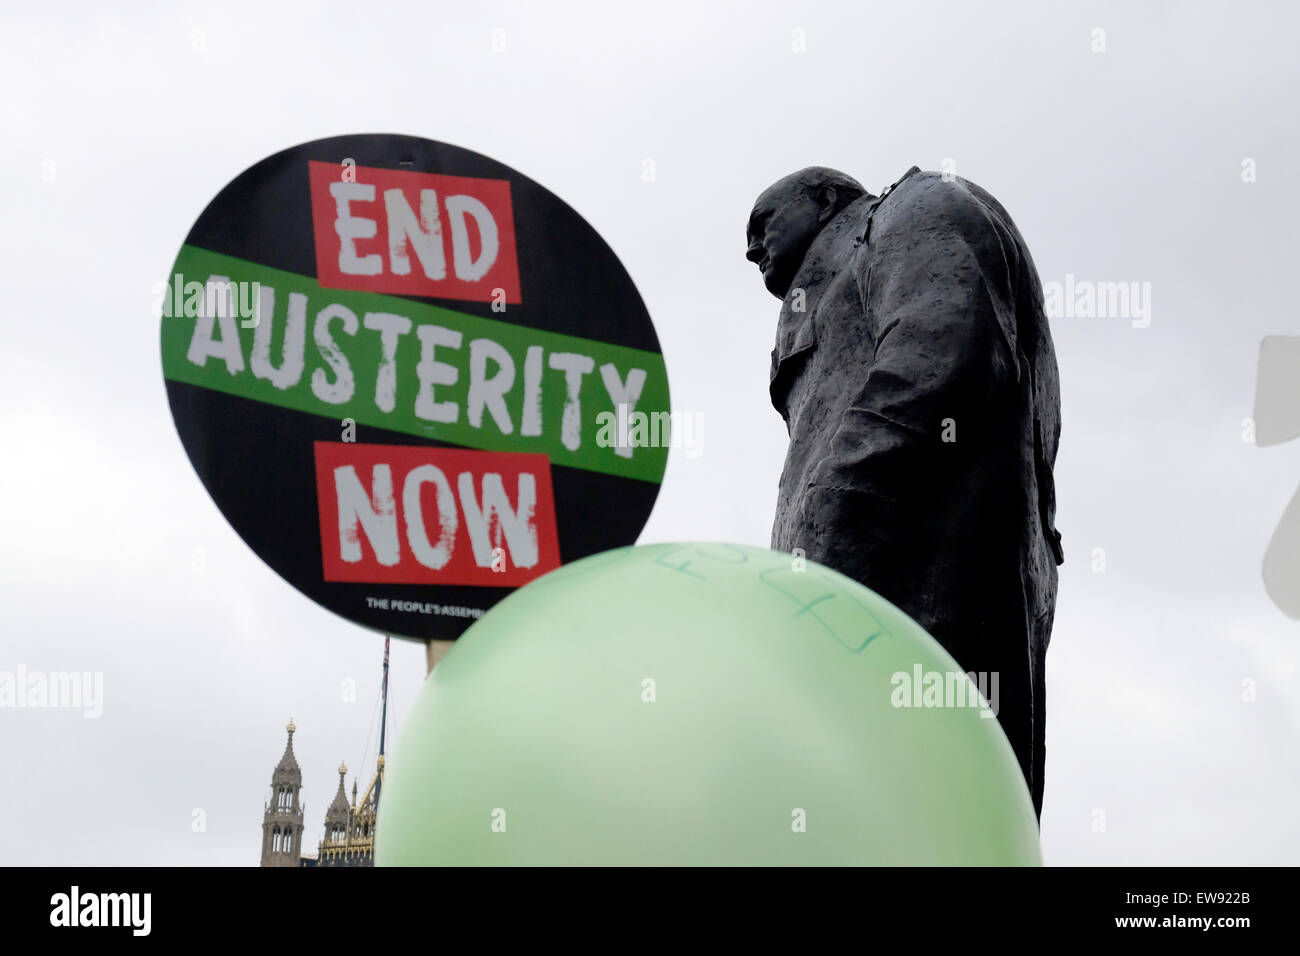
column 338, row 820
column 282, row 821
column 350, row 827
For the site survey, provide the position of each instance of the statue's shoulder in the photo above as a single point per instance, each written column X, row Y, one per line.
column 926, row 203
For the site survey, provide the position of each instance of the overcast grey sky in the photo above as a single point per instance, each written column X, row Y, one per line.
column 1122, row 164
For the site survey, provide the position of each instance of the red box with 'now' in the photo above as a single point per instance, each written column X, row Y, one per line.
column 410, row 233
column 410, row 514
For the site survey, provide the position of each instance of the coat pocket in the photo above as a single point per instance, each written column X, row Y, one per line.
column 786, row 364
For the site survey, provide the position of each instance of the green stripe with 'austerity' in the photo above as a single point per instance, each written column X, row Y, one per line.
column 433, row 384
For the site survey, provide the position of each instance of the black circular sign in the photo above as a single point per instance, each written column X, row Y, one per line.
column 411, row 378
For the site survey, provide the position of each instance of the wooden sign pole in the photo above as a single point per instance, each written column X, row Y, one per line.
column 434, row 651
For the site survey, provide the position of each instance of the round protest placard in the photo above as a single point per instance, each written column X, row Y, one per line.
column 411, row 378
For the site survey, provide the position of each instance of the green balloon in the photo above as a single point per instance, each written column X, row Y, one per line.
column 683, row 704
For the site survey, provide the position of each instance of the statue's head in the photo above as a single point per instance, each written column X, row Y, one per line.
column 787, row 218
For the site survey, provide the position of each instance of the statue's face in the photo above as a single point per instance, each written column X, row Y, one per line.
column 784, row 223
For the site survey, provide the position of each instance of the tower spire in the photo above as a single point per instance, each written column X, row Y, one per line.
column 289, row 761
column 282, row 820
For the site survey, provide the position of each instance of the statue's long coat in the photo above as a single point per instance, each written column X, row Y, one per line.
column 918, row 317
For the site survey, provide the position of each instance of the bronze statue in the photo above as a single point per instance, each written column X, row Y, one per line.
column 915, row 371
